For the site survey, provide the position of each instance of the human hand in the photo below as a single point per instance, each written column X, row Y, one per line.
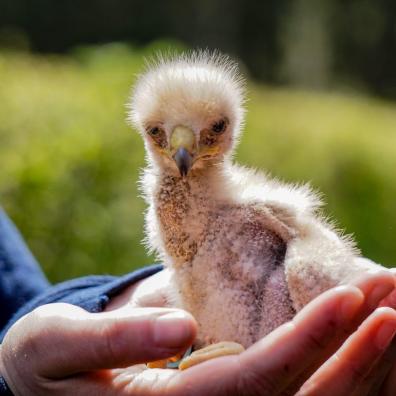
column 359, row 368
column 374, row 284
column 60, row 349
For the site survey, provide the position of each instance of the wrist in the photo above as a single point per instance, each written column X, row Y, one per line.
column 4, row 389
column 1, row 363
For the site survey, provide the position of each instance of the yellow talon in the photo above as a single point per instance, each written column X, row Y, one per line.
column 164, row 362
column 210, row 352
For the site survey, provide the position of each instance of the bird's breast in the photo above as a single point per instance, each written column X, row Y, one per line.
column 235, row 283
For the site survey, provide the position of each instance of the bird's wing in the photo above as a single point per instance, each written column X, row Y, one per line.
column 319, row 259
column 318, row 256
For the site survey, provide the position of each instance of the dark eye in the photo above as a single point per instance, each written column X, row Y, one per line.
column 155, row 131
column 158, row 135
column 219, row 126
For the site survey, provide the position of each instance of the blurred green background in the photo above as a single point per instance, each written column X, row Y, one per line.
column 322, row 85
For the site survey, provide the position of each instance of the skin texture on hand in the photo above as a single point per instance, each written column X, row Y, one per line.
column 60, row 349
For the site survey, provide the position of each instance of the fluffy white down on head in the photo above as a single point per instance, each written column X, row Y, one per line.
column 191, row 89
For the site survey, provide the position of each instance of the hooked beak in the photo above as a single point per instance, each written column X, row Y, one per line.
column 183, row 161
column 182, row 144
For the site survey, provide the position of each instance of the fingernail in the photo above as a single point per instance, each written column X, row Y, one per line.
column 172, row 330
column 385, row 333
column 377, row 294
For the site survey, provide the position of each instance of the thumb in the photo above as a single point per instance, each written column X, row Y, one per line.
column 66, row 339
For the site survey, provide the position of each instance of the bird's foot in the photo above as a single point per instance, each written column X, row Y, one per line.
column 210, row 352
column 166, row 363
column 188, row 359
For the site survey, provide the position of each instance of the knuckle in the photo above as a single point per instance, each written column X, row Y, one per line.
column 315, row 342
column 24, row 336
column 294, row 387
column 112, row 338
column 356, row 370
column 254, row 384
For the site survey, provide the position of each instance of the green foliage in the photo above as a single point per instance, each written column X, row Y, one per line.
column 69, row 163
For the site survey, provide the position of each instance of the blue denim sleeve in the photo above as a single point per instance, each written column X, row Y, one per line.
column 21, row 278
column 91, row 293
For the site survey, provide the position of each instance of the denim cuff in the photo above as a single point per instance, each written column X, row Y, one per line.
column 4, row 389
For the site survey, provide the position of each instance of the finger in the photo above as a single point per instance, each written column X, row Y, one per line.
column 373, row 382
column 341, row 374
column 228, row 375
column 389, row 386
column 267, row 366
column 120, row 338
column 390, row 300
column 128, row 381
column 375, row 286
column 296, row 345
column 272, row 363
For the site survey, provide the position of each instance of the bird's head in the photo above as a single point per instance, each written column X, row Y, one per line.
column 189, row 110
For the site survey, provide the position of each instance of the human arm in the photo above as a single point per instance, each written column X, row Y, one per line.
column 21, row 278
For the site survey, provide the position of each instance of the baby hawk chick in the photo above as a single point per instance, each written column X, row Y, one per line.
column 245, row 251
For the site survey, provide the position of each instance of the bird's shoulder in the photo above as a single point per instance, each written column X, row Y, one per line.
column 249, row 187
